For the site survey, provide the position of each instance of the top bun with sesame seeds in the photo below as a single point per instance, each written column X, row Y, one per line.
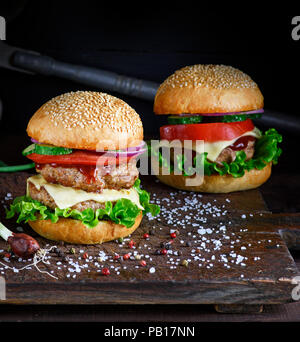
column 86, row 120
column 207, row 89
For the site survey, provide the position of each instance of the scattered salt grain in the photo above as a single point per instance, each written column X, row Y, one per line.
column 152, row 270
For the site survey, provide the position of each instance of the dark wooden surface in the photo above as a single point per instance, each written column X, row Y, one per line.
column 235, row 254
column 258, row 219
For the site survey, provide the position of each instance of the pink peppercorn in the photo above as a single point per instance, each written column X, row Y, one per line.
column 126, row 256
column 131, row 244
column 105, row 271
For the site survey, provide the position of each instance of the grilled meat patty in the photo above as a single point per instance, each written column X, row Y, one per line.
column 42, row 196
column 228, row 154
column 92, row 179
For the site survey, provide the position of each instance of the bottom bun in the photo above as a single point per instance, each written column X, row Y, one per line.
column 73, row 231
column 220, row 184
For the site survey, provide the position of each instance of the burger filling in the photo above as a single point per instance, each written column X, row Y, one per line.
column 231, row 145
column 228, row 154
column 59, row 196
column 44, row 197
column 89, row 177
column 83, row 186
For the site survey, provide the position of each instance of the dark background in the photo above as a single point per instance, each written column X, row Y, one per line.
column 148, row 41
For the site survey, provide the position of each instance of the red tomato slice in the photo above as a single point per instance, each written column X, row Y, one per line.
column 210, row 132
column 78, row 157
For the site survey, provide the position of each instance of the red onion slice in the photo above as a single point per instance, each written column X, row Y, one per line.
column 137, row 148
column 125, row 153
column 257, row 111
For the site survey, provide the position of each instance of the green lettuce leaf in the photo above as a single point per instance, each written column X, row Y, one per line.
column 144, row 196
column 266, row 150
column 123, row 212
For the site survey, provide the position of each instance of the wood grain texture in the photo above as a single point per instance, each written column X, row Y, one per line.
column 235, row 252
column 238, row 308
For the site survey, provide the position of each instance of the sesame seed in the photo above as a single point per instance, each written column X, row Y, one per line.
column 92, row 110
column 208, row 75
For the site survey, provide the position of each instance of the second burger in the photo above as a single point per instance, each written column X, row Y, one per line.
column 215, row 104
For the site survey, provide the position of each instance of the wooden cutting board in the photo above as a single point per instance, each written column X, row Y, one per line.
column 229, row 251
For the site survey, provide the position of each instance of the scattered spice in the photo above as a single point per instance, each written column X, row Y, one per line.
column 169, row 245
column 152, row 270
column 39, row 256
column 126, row 256
column 59, row 252
column 188, row 212
column 85, row 255
column 65, row 258
column 105, row 271
column 185, row 263
column 131, row 244
column 163, row 251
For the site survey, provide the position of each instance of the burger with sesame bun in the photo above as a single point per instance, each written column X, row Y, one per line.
column 214, row 104
column 86, row 191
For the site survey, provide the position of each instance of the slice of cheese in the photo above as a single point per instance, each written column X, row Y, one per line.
column 66, row 197
column 214, row 149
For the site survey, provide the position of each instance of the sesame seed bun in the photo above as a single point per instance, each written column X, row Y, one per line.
column 73, row 231
column 220, row 184
column 207, row 89
column 86, row 120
